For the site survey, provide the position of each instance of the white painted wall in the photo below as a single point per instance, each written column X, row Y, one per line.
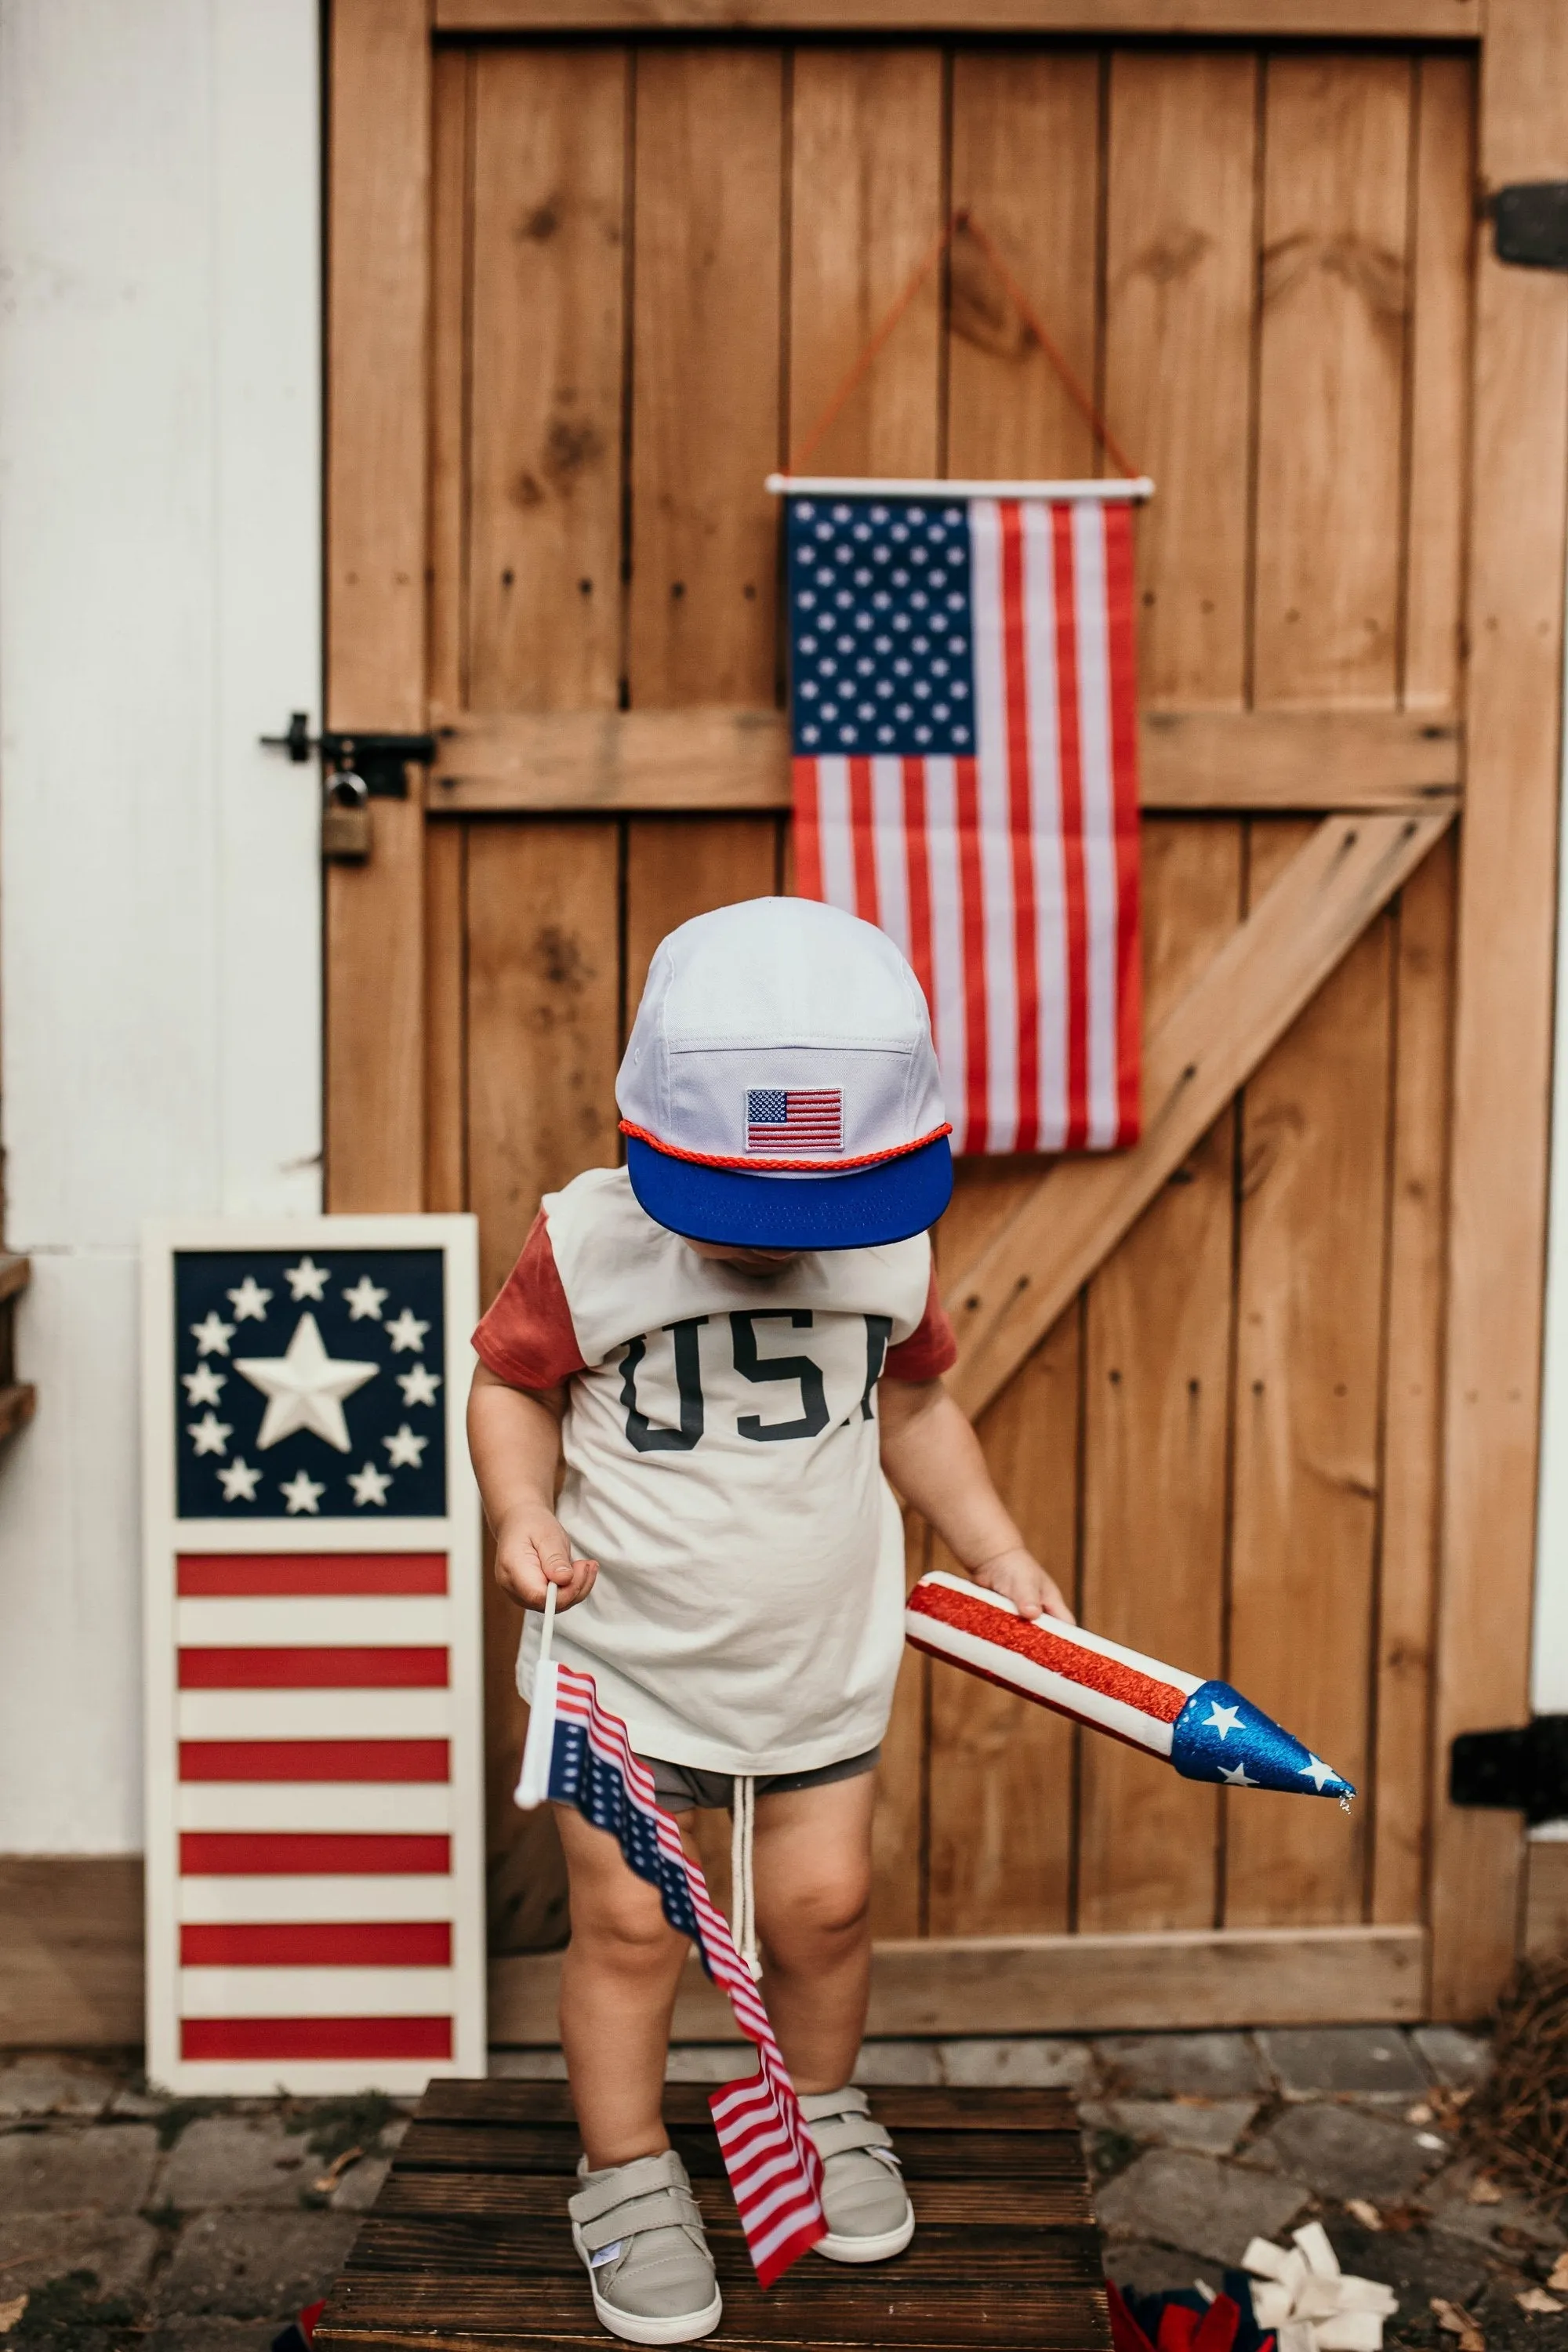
column 160, row 536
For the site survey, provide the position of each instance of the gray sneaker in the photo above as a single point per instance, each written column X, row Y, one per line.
column 638, row 2228
column 870, row 2215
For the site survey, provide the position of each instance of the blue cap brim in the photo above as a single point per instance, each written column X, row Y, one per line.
column 859, row 1209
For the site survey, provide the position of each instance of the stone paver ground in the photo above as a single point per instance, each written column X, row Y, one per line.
column 201, row 2225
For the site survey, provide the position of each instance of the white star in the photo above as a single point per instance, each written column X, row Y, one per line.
column 1317, row 1772
column 237, row 1480
column 404, row 1448
column 205, row 1385
column 418, row 1384
column 302, row 1494
column 212, row 1334
column 306, row 1280
column 370, row 1485
column 365, row 1299
column 1237, row 1780
column 210, row 1433
column 304, row 1388
column 249, row 1302
column 1224, row 1719
column 405, row 1330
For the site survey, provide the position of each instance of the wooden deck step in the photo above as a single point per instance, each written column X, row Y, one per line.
column 468, row 2249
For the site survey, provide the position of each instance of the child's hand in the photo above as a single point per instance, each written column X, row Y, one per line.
column 533, row 1552
column 1020, row 1578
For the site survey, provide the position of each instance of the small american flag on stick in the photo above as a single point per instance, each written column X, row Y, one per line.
column 795, row 1119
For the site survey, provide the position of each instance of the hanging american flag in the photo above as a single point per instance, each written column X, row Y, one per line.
column 578, row 1753
column 965, row 730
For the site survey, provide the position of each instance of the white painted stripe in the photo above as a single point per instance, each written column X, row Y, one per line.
column 1056, row 1690
column 1046, row 803
column 947, row 941
column 314, row 1621
column 316, row 1992
column 1081, row 1638
column 1098, row 815
column 313, row 1715
column 888, row 849
column 832, row 833
column 1001, row 972
column 386, row 1805
column 299, row 1902
column 310, row 2078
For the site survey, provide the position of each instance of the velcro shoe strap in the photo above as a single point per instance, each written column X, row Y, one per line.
column 641, row 2177
column 662, row 2209
column 840, row 2132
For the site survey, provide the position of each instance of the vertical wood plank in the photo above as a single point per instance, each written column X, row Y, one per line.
column 1180, row 271
column 1445, row 232
column 865, row 201
column 450, row 258
column 1331, row 380
column 705, row 408
column 548, row 323
column 899, row 1825
column 1309, row 1311
column 1412, row 1383
column 377, row 324
column 1503, row 1015
column 446, row 1033
column 680, row 866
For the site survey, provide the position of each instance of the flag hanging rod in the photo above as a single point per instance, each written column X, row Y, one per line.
column 851, row 486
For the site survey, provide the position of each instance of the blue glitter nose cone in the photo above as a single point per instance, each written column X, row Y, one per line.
column 1220, row 1736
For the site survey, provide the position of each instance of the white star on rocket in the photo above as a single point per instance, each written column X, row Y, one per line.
column 212, row 1334
column 204, row 1386
column 237, row 1480
column 1224, row 1719
column 306, row 1280
column 211, row 1434
column 249, row 1302
column 418, row 1384
column 365, row 1299
column 405, row 1330
column 302, row 1493
column 304, row 1388
column 1317, row 1772
column 370, row 1485
column 405, row 1449
column 1237, row 1780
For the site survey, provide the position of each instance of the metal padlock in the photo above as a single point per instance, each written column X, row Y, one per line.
column 346, row 819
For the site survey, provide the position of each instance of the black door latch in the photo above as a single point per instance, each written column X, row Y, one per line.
column 381, row 761
column 1518, row 1772
column 1530, row 222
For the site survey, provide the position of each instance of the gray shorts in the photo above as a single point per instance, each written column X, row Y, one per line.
column 681, row 1787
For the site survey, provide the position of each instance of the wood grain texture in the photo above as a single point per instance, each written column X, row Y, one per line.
column 71, row 1951
column 446, row 1021
column 1331, row 380
column 544, row 587
column 1443, row 236
column 1503, row 1017
column 1545, row 1933
column 1194, row 1061
column 900, row 1820
column 681, row 866
column 1344, row 20
column 451, row 263
column 377, row 364
column 705, row 409
column 1181, row 266
column 1309, row 1332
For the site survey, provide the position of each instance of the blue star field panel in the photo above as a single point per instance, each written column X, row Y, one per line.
column 881, row 632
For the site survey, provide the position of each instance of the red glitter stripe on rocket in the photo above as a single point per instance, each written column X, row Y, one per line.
column 1088, row 1667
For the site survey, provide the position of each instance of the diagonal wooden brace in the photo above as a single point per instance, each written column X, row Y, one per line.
column 1207, row 1046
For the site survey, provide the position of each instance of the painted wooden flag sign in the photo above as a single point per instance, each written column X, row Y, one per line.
column 314, row 1812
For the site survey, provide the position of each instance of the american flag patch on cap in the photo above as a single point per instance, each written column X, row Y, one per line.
column 795, row 1119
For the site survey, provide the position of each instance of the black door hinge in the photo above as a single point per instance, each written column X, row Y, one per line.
column 381, row 762
column 1530, row 222
column 1522, row 1771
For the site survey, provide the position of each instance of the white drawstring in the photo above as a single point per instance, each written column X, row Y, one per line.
column 743, row 1895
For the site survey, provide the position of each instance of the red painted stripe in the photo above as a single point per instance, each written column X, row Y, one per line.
column 1110, row 1676
column 320, row 1669
column 807, row 830
column 971, row 904
column 311, row 1853
column 329, row 1944
column 917, row 863
column 315, row 2037
column 261, row 1573
column 862, row 832
column 1071, row 774
column 1016, row 689
column 1119, row 584
column 315, row 1759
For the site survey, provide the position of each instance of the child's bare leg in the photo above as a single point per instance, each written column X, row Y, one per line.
column 813, row 1864
column 617, row 1989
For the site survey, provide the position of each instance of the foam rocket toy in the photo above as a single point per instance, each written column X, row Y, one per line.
column 1208, row 1731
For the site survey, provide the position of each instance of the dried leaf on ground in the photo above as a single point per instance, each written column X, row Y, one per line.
column 1558, row 2272
column 1484, row 2191
column 1419, row 2114
column 1535, row 2298
column 1366, row 2214
column 327, row 2181
column 10, row 2313
column 1453, row 2321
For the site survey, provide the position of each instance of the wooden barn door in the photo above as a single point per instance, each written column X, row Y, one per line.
column 1261, row 1393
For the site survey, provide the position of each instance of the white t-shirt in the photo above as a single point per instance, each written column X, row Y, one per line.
column 722, row 1467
